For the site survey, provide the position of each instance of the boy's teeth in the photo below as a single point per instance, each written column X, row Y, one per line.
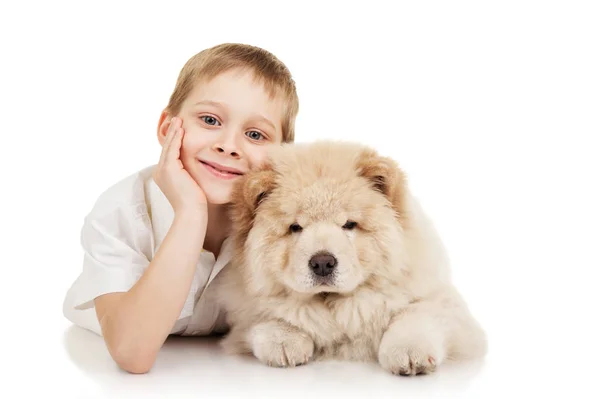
column 223, row 171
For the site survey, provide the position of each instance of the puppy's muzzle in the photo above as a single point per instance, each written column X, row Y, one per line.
column 322, row 263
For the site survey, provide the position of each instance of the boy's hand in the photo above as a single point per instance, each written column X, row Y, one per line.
column 176, row 183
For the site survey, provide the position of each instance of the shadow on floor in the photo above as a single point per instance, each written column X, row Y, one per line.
column 197, row 366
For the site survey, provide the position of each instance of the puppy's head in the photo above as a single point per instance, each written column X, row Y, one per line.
column 318, row 217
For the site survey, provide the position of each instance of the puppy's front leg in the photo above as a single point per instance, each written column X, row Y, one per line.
column 279, row 344
column 429, row 332
column 412, row 344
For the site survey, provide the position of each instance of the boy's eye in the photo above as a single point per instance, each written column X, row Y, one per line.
column 209, row 120
column 254, row 135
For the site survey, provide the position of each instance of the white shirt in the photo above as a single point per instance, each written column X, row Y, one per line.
column 119, row 237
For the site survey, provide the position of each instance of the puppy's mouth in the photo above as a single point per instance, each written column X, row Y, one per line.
column 324, row 284
column 324, row 281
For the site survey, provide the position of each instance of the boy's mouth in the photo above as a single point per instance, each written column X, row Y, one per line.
column 220, row 170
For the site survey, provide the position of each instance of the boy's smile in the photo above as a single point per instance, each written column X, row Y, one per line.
column 221, row 171
column 229, row 123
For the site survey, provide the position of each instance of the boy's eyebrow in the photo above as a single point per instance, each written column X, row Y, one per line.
column 265, row 120
column 209, row 102
column 220, row 105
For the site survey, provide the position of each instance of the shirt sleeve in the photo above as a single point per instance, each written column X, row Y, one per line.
column 116, row 242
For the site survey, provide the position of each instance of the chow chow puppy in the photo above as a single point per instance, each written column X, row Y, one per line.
column 334, row 259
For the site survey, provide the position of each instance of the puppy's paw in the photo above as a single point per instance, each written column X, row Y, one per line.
column 410, row 356
column 233, row 343
column 278, row 345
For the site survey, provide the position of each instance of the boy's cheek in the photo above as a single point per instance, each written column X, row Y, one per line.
column 260, row 156
column 190, row 136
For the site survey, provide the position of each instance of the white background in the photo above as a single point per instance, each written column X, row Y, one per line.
column 493, row 109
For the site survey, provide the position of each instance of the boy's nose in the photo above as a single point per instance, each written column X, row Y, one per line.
column 222, row 149
column 227, row 145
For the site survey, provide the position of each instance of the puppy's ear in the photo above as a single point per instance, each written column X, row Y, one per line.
column 256, row 187
column 385, row 176
column 248, row 193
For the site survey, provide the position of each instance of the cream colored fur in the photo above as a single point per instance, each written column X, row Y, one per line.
column 390, row 298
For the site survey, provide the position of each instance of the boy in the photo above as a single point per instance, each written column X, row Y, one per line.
column 154, row 241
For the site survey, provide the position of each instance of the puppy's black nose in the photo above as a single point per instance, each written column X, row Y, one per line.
column 322, row 263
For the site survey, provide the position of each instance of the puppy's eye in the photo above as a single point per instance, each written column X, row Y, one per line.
column 295, row 228
column 349, row 225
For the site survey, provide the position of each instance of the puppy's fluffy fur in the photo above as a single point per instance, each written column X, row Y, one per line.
column 335, row 259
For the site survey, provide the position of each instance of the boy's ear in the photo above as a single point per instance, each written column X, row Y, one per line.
column 386, row 177
column 163, row 126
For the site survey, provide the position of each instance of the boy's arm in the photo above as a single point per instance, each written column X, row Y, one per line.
column 136, row 323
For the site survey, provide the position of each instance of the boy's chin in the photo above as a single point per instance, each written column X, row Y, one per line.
column 217, row 196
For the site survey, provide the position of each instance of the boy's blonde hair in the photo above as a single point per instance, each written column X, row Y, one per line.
column 267, row 68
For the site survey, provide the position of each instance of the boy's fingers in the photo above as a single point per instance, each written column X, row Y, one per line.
column 175, row 145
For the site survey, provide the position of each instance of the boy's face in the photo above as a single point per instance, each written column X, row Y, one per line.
column 229, row 124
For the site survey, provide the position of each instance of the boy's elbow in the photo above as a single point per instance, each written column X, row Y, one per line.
column 134, row 362
column 130, row 355
column 135, row 366
column 128, row 352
